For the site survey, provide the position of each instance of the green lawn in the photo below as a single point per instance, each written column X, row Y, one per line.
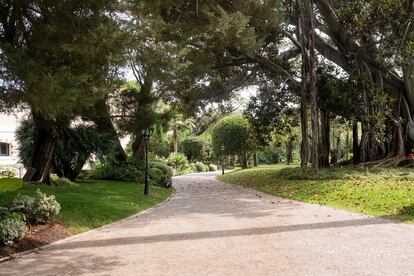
column 387, row 193
column 95, row 203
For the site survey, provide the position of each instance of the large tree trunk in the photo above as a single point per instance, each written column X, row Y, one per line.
column 255, row 159
column 304, row 148
column 347, row 145
column 312, row 86
column 174, row 140
column 243, row 160
column 355, row 143
column 42, row 152
column 306, row 33
column 138, row 148
column 289, row 151
column 102, row 119
column 325, row 140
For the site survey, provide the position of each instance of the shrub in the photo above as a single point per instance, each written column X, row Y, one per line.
column 163, row 167
column 12, row 227
column 130, row 170
column 212, row 168
column 63, row 181
column 27, row 203
column 192, row 168
column 200, row 167
column 178, row 161
column 45, row 207
column 195, row 149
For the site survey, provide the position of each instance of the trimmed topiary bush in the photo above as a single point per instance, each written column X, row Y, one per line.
column 45, row 208
column 195, row 149
column 200, row 167
column 12, row 227
column 236, row 135
column 212, row 168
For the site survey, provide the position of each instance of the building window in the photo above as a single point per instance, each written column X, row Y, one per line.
column 4, row 149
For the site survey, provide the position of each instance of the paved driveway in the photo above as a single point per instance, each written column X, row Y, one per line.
column 212, row 228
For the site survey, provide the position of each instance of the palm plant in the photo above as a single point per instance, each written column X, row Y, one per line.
column 180, row 123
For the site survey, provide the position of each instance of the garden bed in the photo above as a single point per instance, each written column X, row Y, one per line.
column 36, row 236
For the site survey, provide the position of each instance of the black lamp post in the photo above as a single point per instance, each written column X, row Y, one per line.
column 146, row 134
column 222, row 159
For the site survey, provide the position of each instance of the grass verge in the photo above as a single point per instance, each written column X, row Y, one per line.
column 91, row 204
column 387, row 193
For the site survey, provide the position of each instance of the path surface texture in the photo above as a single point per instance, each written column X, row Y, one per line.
column 212, row 228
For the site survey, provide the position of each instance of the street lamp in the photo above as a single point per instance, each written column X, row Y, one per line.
column 146, row 134
column 222, row 159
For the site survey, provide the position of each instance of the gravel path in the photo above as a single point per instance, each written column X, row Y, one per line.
column 212, row 228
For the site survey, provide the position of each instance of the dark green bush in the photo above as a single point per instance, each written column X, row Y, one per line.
column 200, row 167
column 195, row 149
column 167, row 170
column 130, row 170
column 72, row 147
column 12, row 227
column 158, row 178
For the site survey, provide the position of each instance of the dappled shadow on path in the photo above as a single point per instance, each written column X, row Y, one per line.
column 218, row 234
column 54, row 263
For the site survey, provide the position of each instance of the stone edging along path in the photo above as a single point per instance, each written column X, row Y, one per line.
column 213, row 228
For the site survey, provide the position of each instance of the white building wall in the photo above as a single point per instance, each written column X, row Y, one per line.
column 8, row 127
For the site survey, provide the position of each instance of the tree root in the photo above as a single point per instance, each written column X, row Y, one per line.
column 393, row 161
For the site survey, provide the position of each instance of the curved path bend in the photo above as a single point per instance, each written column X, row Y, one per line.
column 212, row 228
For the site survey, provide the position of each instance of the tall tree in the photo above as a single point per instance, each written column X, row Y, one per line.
column 57, row 59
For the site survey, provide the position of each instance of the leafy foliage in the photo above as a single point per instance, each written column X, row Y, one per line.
column 107, row 169
column 46, row 54
column 25, row 201
column 163, row 167
column 235, row 134
column 200, row 167
column 72, row 148
column 12, row 227
column 195, row 149
column 178, row 161
column 45, row 208
column 270, row 112
column 131, row 171
column 40, row 209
